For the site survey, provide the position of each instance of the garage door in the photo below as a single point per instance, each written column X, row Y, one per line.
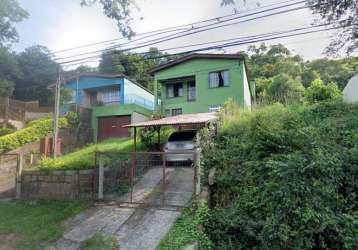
column 111, row 127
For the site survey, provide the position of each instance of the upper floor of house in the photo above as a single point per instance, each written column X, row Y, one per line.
column 199, row 83
column 94, row 89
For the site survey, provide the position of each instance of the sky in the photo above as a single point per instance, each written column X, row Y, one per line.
column 64, row 24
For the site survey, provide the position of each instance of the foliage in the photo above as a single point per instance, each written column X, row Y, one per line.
column 34, row 131
column 186, row 229
column 6, row 131
column 36, row 222
column 39, row 71
column 99, row 242
column 135, row 66
column 149, row 136
column 84, row 158
column 9, row 71
column 286, row 178
column 72, row 119
column 320, row 92
column 10, row 13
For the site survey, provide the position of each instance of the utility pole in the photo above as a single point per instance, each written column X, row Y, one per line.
column 56, row 113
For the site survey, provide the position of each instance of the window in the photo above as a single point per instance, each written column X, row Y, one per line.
column 174, row 90
column 214, row 108
column 219, row 79
column 176, row 112
column 108, row 96
column 191, row 91
column 167, row 113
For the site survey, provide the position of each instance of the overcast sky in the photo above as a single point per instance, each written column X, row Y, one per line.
column 64, row 24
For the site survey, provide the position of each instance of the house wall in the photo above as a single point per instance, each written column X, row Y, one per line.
column 86, row 83
column 134, row 93
column 350, row 92
column 205, row 96
column 247, row 94
column 115, row 110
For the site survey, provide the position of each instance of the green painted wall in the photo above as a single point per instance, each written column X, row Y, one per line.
column 115, row 110
column 205, row 96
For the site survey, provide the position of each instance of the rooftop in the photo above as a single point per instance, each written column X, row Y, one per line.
column 187, row 119
column 196, row 56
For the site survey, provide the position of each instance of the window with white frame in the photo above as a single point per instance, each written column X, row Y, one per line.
column 214, row 108
column 174, row 90
column 177, row 112
column 108, row 96
column 191, row 91
column 219, row 79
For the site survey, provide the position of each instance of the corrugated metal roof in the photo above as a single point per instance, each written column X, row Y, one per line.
column 187, row 119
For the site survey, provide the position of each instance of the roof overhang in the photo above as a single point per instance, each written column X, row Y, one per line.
column 179, row 120
column 196, row 56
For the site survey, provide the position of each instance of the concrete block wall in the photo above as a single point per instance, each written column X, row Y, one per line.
column 58, row 185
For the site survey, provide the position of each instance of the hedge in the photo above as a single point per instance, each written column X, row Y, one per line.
column 286, row 179
column 33, row 132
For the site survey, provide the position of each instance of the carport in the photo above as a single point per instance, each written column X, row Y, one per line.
column 198, row 120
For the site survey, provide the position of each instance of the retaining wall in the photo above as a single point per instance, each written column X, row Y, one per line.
column 58, row 185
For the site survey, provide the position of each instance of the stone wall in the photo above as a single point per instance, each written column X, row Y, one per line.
column 58, row 185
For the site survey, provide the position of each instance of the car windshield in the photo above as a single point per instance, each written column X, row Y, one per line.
column 182, row 136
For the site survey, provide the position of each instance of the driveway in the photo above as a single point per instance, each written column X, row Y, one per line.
column 134, row 227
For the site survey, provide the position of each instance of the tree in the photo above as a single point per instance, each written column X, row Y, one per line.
column 39, row 71
column 284, row 89
column 318, row 91
column 10, row 13
column 341, row 14
column 135, row 66
column 9, row 72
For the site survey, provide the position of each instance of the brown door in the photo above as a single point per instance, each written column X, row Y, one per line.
column 111, row 127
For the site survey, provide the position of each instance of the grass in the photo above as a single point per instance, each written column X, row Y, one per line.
column 100, row 242
column 36, row 222
column 185, row 230
column 85, row 157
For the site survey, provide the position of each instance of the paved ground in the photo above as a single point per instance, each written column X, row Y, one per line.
column 135, row 228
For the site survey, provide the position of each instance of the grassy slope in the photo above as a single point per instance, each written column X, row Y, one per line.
column 36, row 222
column 84, row 158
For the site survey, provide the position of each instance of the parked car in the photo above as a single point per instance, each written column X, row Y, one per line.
column 178, row 145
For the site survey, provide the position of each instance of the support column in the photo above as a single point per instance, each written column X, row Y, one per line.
column 197, row 173
column 100, row 178
column 20, row 165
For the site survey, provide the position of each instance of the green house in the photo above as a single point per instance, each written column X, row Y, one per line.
column 199, row 83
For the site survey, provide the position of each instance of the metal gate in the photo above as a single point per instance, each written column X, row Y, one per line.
column 148, row 178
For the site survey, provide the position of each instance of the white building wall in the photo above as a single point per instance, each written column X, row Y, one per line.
column 350, row 92
column 247, row 95
column 133, row 90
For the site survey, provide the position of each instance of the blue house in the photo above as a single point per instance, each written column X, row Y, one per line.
column 115, row 101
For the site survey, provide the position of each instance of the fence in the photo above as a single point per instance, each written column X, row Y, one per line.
column 148, row 178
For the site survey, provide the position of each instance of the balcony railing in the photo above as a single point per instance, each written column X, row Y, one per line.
column 140, row 101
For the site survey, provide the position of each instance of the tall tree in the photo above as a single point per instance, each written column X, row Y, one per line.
column 9, row 72
column 10, row 13
column 39, row 70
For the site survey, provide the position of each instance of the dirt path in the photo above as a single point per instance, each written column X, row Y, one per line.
column 134, row 228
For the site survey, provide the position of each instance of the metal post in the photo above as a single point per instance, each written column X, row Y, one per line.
column 197, row 171
column 158, row 138
column 56, row 113
column 131, row 177
column 100, row 178
column 20, row 165
column 163, row 181
column 31, row 159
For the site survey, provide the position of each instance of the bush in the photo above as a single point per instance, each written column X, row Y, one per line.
column 286, row 179
column 34, row 131
column 149, row 136
column 6, row 131
column 319, row 92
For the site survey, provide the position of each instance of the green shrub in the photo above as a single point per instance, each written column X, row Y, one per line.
column 319, row 92
column 34, row 131
column 84, row 158
column 149, row 136
column 286, row 179
column 6, row 131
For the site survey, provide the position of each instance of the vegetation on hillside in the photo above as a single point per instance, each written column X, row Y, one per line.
column 34, row 131
column 35, row 222
column 85, row 158
column 286, row 178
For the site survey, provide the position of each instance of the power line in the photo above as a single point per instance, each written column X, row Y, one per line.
column 225, row 45
column 199, row 29
column 170, row 29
